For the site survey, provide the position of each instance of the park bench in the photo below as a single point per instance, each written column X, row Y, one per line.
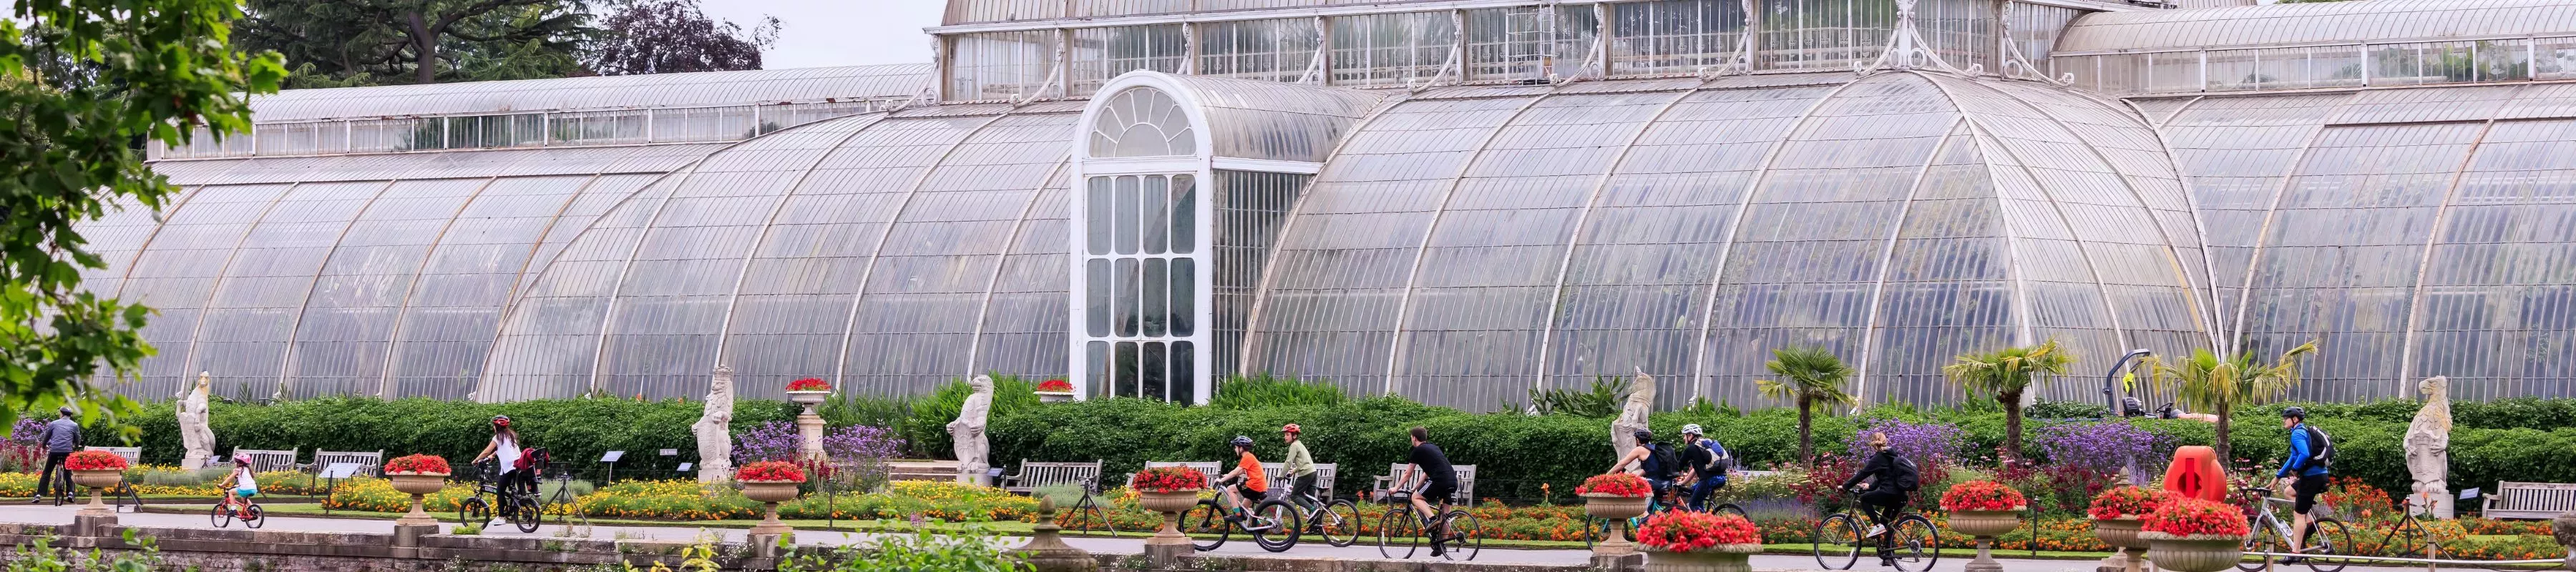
column 370, row 463
column 1209, row 467
column 1466, row 482
column 1033, row 476
column 2530, row 500
column 133, row 455
column 1279, row 479
column 264, row 460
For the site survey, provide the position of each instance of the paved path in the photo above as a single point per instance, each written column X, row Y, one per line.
column 49, row 514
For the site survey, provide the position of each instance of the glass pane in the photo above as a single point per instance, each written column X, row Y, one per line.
column 1096, row 297
column 1155, row 297
column 1125, row 216
column 1103, row 53
column 1185, row 214
column 1153, row 376
column 1185, row 288
column 1158, row 214
column 1097, row 216
column 1126, row 373
column 1185, row 373
column 1142, row 122
column 1098, row 355
column 1128, row 295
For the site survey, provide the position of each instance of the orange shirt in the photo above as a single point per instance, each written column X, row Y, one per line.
column 1253, row 478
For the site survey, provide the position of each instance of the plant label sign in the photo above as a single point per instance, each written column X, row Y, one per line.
column 612, row 456
column 340, row 470
column 670, row 452
column 686, row 467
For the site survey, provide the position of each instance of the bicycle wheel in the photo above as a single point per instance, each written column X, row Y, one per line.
column 2326, row 542
column 527, row 515
column 2264, row 539
column 1206, row 519
column 1339, row 523
column 1917, row 543
column 1399, row 533
column 257, row 517
column 222, row 515
column 1274, row 525
column 2407, row 541
column 1837, row 541
column 1464, row 538
column 1730, row 508
column 474, row 511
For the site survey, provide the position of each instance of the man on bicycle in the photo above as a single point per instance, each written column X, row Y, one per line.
column 1890, row 477
column 1704, row 465
column 1653, row 461
column 1301, row 466
column 1255, row 485
column 2302, row 474
column 1439, row 479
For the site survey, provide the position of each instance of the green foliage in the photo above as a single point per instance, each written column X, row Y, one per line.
column 2208, row 383
column 1808, row 378
column 89, row 81
column 2068, row 410
column 1262, row 390
column 1602, row 400
column 576, row 429
column 420, row 41
column 2004, row 375
column 974, row 549
column 467, row 529
column 928, row 430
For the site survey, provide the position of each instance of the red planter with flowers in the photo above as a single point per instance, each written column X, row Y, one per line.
column 1168, row 490
column 770, row 483
column 417, row 475
column 2193, row 535
column 98, row 470
column 1985, row 510
column 2116, row 513
column 1616, row 497
column 1685, row 541
column 1055, row 391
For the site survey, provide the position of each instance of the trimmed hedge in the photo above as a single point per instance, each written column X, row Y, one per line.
column 577, row 430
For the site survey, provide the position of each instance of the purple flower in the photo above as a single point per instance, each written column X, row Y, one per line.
column 861, row 442
column 2102, row 447
column 27, row 431
column 772, row 441
column 1927, row 444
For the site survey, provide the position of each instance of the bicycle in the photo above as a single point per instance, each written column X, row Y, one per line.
column 2323, row 536
column 1337, row 521
column 517, row 506
column 1913, row 546
column 1086, row 515
column 233, row 507
column 1400, row 522
column 1272, row 524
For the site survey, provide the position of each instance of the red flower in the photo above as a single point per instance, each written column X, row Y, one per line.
column 1168, row 480
column 1615, row 484
column 1983, row 495
column 1056, row 385
column 1685, row 531
column 417, row 464
column 770, row 472
column 809, row 384
column 2125, row 502
column 94, row 461
column 2191, row 517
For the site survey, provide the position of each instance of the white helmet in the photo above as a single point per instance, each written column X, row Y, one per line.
column 1691, row 429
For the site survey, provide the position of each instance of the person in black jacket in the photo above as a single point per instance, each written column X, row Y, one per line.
column 1884, row 499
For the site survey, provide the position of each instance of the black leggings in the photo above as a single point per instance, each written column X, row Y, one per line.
column 1884, row 512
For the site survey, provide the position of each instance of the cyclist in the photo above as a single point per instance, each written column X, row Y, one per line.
column 244, row 485
column 60, row 437
column 2302, row 473
column 1704, row 465
column 1301, row 466
column 1255, row 484
column 1653, row 461
column 1888, row 474
column 1439, row 481
column 504, row 447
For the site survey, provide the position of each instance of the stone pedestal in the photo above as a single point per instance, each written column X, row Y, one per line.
column 1630, row 562
column 1046, row 552
column 409, row 535
column 94, row 525
column 1985, row 561
column 2126, row 560
column 1166, row 556
column 810, row 427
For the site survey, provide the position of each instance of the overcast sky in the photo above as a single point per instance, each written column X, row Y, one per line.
column 838, row 32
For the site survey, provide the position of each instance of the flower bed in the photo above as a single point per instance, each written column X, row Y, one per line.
column 94, row 461
column 2125, row 502
column 809, row 384
column 2194, row 517
column 1685, row 531
column 1168, row 479
column 419, row 464
column 1983, row 496
column 150, row 480
column 770, row 472
column 1615, row 484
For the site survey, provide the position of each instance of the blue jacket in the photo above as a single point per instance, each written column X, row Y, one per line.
column 2300, row 451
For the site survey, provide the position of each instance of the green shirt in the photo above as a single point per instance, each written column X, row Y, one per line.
column 1300, row 462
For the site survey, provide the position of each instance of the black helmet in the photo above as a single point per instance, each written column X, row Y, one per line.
column 1644, row 435
column 2295, row 411
column 1242, row 441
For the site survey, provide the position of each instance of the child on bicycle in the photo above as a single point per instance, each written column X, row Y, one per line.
column 1255, row 484
column 240, row 486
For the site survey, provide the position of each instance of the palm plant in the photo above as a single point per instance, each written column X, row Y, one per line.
column 2005, row 375
column 1809, row 377
column 2209, row 383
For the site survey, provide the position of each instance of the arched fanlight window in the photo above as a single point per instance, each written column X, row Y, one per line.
column 1142, row 122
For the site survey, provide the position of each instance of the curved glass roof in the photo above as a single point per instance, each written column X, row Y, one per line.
column 1470, row 244
column 2316, row 22
column 797, row 85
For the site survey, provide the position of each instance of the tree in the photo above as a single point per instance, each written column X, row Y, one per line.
column 2208, row 383
column 2004, row 376
column 1809, row 377
column 672, row 36
column 417, row 40
column 84, row 83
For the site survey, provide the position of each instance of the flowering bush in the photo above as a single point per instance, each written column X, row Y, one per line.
column 770, row 472
column 1168, row 480
column 809, row 384
column 2100, row 447
column 771, row 441
column 2193, row 517
column 1983, row 495
column 1615, row 484
column 2356, row 499
column 1056, row 385
column 94, row 461
column 1686, row 531
column 1927, row 444
column 866, row 451
column 417, row 464
column 2125, row 502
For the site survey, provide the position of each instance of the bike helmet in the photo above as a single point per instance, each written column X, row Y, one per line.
column 1692, row 429
column 241, row 459
column 501, row 420
column 2295, row 411
column 1242, row 441
column 1643, row 435
column 1291, row 428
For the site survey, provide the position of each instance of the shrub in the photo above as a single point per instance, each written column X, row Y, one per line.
column 772, row 441
column 2101, row 447
column 1983, row 496
column 971, row 550
column 1615, row 484
column 2195, row 517
column 571, row 428
column 927, row 430
column 1262, row 390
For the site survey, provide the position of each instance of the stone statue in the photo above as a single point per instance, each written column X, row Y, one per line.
column 193, row 431
column 1632, row 416
column 2428, row 449
column 715, row 429
column 966, row 434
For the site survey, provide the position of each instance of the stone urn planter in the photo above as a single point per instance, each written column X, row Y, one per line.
column 2196, row 553
column 769, row 493
column 1617, row 510
column 1054, row 396
column 1985, row 525
column 98, row 481
column 417, row 485
column 809, row 399
column 1720, row 558
column 2128, row 552
column 1171, row 504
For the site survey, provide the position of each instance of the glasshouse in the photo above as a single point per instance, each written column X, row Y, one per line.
column 1457, row 201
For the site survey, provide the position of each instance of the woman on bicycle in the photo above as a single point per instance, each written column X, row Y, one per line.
column 1885, row 498
column 1256, row 485
column 240, row 486
column 1652, row 461
column 504, row 447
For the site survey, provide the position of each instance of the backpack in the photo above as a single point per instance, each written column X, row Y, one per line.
column 1719, row 462
column 2320, row 448
column 1908, row 478
column 1659, row 463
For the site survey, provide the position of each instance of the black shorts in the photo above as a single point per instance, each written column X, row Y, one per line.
column 1439, row 492
column 2305, row 491
column 1250, row 495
